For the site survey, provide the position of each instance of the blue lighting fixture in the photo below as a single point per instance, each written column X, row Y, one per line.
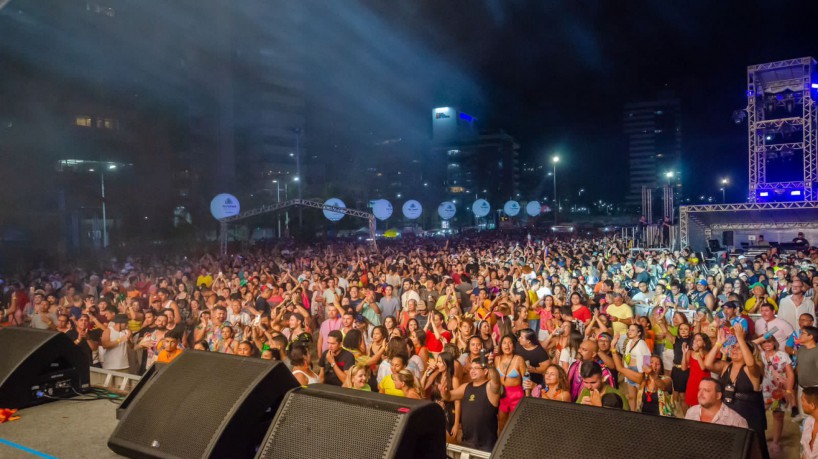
column 750, row 92
column 814, row 85
column 467, row 117
column 764, row 194
column 795, row 193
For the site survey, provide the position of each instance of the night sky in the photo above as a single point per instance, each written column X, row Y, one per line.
column 555, row 74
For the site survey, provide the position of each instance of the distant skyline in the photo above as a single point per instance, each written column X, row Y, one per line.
column 555, row 75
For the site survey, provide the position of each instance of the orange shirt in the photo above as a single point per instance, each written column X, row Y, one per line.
column 166, row 357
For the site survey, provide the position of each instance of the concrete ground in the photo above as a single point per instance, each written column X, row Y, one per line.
column 79, row 429
column 790, row 438
column 65, row 429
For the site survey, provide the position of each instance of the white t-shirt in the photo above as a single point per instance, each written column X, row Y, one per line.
column 639, row 354
column 567, row 356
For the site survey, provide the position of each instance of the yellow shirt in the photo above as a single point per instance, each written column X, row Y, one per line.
column 620, row 312
column 751, row 303
column 388, row 386
column 532, row 313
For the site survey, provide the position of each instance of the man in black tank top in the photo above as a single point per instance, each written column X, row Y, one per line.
column 479, row 402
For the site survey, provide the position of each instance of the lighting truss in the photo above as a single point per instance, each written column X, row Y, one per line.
column 764, row 80
column 687, row 214
column 294, row 203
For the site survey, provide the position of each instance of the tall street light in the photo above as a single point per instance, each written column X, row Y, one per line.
column 297, row 132
column 724, row 183
column 555, row 160
column 93, row 167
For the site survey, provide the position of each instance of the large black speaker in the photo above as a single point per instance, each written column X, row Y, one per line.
column 713, row 245
column 323, row 421
column 556, row 428
column 37, row 366
column 727, row 238
column 203, row 405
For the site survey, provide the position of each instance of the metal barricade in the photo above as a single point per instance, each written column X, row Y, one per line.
column 461, row 452
column 113, row 380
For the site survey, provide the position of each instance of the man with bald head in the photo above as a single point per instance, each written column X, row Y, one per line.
column 587, row 353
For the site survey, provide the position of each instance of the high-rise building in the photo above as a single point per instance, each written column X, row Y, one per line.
column 653, row 129
column 479, row 164
column 193, row 98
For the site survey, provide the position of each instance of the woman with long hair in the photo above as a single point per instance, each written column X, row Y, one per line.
column 484, row 333
column 777, row 386
column 473, row 352
column 408, row 385
column 741, row 378
column 388, row 384
column 579, row 311
column 390, row 323
column 443, row 371
column 569, row 347
column 418, row 338
column 556, row 386
column 600, row 323
column 693, row 362
column 464, row 332
column 655, row 388
column 547, row 322
column 511, row 368
column 299, row 355
column 635, row 355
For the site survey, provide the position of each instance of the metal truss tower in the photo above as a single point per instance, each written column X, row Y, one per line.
column 781, row 117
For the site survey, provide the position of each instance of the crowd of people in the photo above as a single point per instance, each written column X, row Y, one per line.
column 474, row 324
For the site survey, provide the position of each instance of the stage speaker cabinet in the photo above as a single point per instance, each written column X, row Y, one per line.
column 203, row 405
column 39, row 366
column 323, row 421
column 713, row 245
column 727, row 238
column 616, row 434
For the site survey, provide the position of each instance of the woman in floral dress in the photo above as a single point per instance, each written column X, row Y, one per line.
column 777, row 386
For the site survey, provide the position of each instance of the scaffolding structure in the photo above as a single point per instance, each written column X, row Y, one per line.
column 780, row 110
column 301, row 203
column 698, row 222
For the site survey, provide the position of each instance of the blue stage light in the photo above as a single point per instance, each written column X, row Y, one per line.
column 764, row 194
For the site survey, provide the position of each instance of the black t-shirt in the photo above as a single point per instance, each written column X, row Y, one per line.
column 83, row 345
column 345, row 360
column 535, row 357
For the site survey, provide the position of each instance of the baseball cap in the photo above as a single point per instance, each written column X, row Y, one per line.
column 702, row 282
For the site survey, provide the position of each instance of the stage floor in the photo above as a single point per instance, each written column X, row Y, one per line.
column 65, row 429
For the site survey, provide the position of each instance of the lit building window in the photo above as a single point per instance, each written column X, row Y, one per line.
column 84, row 121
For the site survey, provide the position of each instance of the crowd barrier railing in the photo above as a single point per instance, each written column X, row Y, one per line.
column 461, row 452
column 113, row 380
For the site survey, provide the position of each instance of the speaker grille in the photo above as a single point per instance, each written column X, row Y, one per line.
column 17, row 345
column 164, row 411
column 556, row 428
column 296, row 433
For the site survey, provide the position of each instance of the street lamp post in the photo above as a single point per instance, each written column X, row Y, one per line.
column 104, row 217
column 278, row 200
column 555, row 160
column 297, row 132
column 724, row 183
